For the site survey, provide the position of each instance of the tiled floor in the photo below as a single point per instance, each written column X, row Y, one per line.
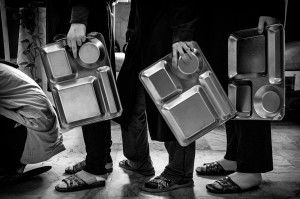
column 282, row 182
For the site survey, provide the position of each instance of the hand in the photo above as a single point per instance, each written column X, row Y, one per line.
column 265, row 21
column 181, row 48
column 76, row 37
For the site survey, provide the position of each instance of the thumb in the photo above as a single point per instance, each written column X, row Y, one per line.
column 261, row 23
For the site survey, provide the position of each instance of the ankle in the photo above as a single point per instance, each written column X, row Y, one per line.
column 246, row 180
column 228, row 165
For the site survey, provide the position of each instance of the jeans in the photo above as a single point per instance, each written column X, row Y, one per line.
column 135, row 135
column 181, row 162
column 97, row 138
column 11, row 145
column 136, row 148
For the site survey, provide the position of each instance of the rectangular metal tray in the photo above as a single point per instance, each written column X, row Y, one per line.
column 189, row 97
column 84, row 89
column 256, row 73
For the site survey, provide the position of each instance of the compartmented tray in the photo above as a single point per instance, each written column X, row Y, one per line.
column 256, row 73
column 84, row 89
column 188, row 96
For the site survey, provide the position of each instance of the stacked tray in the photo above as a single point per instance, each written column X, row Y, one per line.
column 83, row 89
column 188, row 96
column 256, row 73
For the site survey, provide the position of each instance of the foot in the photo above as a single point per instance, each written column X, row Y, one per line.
column 246, row 180
column 20, row 176
column 235, row 183
column 80, row 165
column 162, row 184
column 81, row 180
column 146, row 169
column 221, row 167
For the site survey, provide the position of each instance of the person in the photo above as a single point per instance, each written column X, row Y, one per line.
column 30, row 131
column 249, row 147
column 160, row 27
column 87, row 16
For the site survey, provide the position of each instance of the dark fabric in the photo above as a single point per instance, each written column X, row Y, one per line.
column 157, row 25
column 80, row 14
column 97, row 136
column 11, row 144
column 292, row 31
column 135, row 137
column 57, row 18
column 99, row 20
column 248, row 142
column 181, row 162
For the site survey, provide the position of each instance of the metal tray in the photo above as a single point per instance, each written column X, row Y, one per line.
column 84, row 89
column 188, row 96
column 256, row 72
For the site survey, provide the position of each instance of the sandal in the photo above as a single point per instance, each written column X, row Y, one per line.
column 162, row 184
column 228, row 186
column 74, row 183
column 80, row 165
column 213, row 168
column 146, row 172
column 17, row 177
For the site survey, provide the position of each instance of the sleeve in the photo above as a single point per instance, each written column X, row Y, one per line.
column 183, row 18
column 81, row 9
column 132, row 14
column 79, row 14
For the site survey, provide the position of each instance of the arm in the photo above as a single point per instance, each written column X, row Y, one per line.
column 77, row 31
column 184, row 18
column 79, row 19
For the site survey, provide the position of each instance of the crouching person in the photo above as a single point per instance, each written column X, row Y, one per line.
column 29, row 129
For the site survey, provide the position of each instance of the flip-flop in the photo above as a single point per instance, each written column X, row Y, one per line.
column 17, row 177
column 74, row 183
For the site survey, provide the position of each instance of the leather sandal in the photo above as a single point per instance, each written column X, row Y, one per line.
column 80, row 165
column 212, row 168
column 146, row 172
column 161, row 184
column 18, row 177
column 227, row 186
column 74, row 183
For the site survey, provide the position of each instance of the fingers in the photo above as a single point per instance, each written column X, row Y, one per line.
column 261, row 24
column 183, row 49
column 265, row 21
column 76, row 37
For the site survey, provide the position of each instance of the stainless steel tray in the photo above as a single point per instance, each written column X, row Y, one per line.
column 84, row 89
column 188, row 96
column 256, row 72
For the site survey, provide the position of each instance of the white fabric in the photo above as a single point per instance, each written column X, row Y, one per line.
column 23, row 101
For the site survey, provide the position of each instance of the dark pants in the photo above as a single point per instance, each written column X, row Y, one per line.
column 181, row 162
column 136, row 148
column 97, row 138
column 135, row 135
column 12, row 144
column 249, row 144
